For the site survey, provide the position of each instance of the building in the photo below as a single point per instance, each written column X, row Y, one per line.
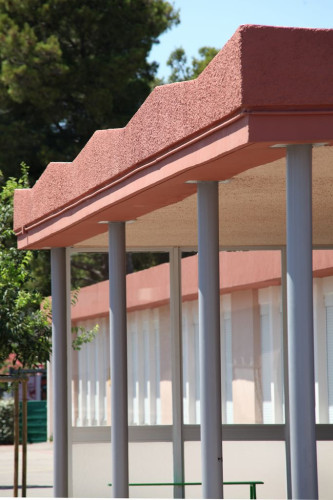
column 202, row 164
column 251, row 361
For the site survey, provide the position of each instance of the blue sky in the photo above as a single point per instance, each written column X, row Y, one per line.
column 213, row 22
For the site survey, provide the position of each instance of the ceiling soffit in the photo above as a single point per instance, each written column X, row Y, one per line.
column 252, row 211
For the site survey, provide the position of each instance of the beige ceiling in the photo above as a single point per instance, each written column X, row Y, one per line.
column 252, row 211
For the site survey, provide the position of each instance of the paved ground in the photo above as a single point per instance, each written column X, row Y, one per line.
column 39, row 470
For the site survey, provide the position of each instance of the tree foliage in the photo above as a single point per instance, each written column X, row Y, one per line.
column 25, row 325
column 24, row 328
column 83, row 336
column 69, row 68
column 6, row 421
column 181, row 71
column 90, row 268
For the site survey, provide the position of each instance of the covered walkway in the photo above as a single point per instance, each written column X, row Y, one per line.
column 239, row 158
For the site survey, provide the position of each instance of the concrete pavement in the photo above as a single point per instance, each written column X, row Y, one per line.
column 39, row 470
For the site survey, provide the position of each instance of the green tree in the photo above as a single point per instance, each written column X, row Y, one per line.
column 90, row 268
column 181, row 71
column 25, row 329
column 68, row 68
column 25, row 326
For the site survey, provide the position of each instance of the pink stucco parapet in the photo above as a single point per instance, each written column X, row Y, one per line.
column 260, row 68
column 166, row 117
column 287, row 67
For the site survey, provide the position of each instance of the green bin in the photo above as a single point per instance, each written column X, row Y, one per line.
column 37, row 421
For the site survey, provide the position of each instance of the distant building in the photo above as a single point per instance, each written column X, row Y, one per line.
column 251, row 344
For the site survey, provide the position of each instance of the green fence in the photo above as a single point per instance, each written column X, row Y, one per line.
column 37, row 421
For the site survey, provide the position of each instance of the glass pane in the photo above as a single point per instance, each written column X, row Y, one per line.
column 148, row 342
column 149, row 346
column 323, row 333
column 91, row 385
column 251, row 338
column 90, row 334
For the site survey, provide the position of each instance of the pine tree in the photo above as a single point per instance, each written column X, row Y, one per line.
column 70, row 68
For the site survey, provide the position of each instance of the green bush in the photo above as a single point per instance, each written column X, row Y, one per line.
column 6, row 421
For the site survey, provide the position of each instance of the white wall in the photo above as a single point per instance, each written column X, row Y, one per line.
column 251, row 353
column 251, row 357
column 148, row 462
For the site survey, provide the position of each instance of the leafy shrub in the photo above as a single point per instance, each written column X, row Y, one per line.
column 6, row 421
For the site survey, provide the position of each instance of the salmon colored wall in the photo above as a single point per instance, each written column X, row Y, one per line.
column 151, row 288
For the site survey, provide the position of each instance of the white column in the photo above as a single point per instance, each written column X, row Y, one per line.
column 94, row 402
column 329, row 350
column 285, row 367
column 82, row 369
column 321, row 352
column 300, row 322
column 226, row 359
column 276, row 326
column 118, row 336
column 185, row 330
column 135, row 368
column 140, row 354
column 152, row 367
column 130, row 376
column 90, row 385
column 59, row 374
column 209, row 337
column 146, row 367
column 156, row 329
column 176, row 361
column 100, row 381
column 197, row 362
column 271, row 345
column 107, row 369
column 190, row 368
column 267, row 364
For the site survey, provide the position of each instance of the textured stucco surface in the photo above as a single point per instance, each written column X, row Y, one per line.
column 287, row 67
column 151, row 288
column 170, row 114
column 260, row 68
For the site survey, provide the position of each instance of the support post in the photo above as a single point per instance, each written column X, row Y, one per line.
column 177, row 371
column 300, row 322
column 68, row 300
column 59, row 365
column 209, row 340
column 118, row 337
column 24, row 436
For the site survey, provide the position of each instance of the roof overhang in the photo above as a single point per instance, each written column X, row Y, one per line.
column 267, row 87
